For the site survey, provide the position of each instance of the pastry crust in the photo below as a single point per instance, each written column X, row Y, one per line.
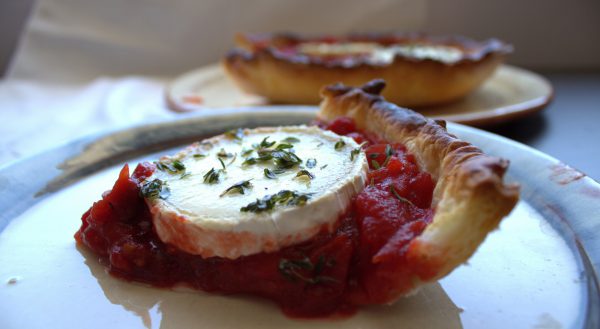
column 262, row 65
column 470, row 197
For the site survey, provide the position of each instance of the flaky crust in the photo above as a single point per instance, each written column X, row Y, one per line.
column 258, row 67
column 470, row 197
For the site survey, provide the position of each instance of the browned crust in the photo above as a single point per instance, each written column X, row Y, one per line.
column 470, row 196
column 259, row 67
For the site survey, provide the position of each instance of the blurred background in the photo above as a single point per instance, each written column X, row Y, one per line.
column 75, row 67
column 70, row 40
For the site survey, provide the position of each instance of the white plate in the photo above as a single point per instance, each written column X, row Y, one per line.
column 538, row 271
column 509, row 94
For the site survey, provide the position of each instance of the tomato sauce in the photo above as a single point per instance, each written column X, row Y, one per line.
column 362, row 262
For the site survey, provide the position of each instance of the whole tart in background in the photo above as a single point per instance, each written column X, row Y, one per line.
column 420, row 70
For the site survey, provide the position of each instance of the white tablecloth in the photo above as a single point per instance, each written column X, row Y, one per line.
column 36, row 116
column 83, row 66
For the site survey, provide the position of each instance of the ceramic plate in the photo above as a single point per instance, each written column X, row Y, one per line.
column 509, row 94
column 539, row 270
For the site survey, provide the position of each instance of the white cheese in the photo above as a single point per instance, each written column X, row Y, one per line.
column 199, row 217
column 380, row 54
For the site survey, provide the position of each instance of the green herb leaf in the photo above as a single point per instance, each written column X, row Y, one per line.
column 239, row 187
column 284, row 198
column 155, row 189
column 233, row 159
column 249, row 161
column 291, row 140
column 304, row 271
column 222, row 164
column 265, row 143
column 388, row 155
column 269, row 174
column 246, row 153
column 305, row 173
column 339, row 145
column 237, row 134
column 311, row 163
column 171, row 167
column 323, row 166
column 354, row 153
column 285, row 159
column 284, row 146
column 212, row 176
column 199, row 156
column 272, row 174
column 185, row 175
column 397, row 196
column 375, row 164
column 224, row 154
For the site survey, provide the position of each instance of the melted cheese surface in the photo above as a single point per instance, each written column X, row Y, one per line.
column 198, row 212
column 377, row 53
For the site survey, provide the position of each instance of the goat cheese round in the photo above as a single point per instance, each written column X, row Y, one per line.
column 254, row 190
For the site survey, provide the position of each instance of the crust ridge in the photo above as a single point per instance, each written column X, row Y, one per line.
column 470, row 198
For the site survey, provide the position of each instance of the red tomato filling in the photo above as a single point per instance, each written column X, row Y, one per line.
column 362, row 262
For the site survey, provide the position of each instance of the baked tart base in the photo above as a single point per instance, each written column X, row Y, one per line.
column 431, row 199
column 274, row 66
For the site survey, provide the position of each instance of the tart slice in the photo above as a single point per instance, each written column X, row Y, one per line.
column 363, row 207
column 470, row 197
column 420, row 70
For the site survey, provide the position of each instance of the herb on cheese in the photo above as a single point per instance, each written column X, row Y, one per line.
column 283, row 155
column 284, row 146
column 264, row 143
column 239, row 187
column 354, row 153
column 305, row 271
column 199, row 156
column 212, row 176
column 291, row 140
column 155, row 188
column 269, row 174
column 247, row 152
column 222, row 164
column 285, row 159
column 339, row 145
column 281, row 198
column 304, row 174
column 233, row 159
column 311, row 163
column 272, row 174
column 172, row 167
column 224, row 154
column 236, row 134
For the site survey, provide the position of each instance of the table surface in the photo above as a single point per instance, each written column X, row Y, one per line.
column 569, row 128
